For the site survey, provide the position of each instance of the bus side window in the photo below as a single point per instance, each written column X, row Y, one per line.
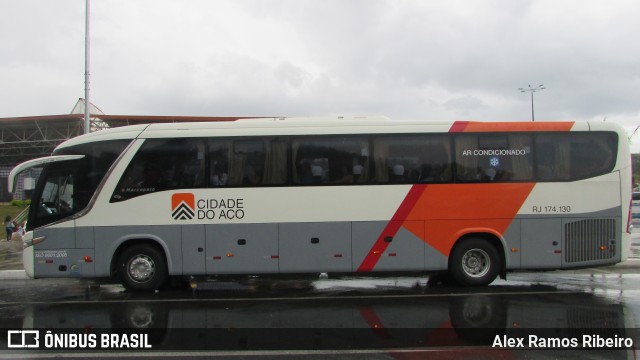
column 574, row 156
column 163, row 164
column 247, row 165
column 190, row 172
column 248, row 162
column 494, row 157
column 412, row 159
column 330, row 160
column 275, row 161
column 592, row 154
column 219, row 162
column 552, row 158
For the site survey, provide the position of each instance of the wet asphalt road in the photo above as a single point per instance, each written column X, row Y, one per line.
column 355, row 318
column 399, row 318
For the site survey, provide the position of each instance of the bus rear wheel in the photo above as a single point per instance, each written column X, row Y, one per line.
column 142, row 268
column 474, row 262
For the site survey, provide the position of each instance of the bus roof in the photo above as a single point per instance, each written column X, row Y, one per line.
column 325, row 125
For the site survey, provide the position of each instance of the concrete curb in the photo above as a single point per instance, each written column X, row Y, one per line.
column 630, row 263
column 13, row 275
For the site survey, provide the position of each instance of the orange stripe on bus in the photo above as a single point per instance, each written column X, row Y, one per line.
column 449, row 211
column 392, row 228
column 471, row 126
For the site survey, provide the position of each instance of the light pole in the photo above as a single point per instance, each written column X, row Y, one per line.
column 532, row 90
column 87, row 101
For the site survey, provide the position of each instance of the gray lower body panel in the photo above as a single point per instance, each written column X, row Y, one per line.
column 540, row 242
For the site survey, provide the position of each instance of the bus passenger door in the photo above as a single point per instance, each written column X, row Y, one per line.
column 541, row 243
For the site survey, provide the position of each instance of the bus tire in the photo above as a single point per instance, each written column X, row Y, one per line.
column 142, row 268
column 474, row 262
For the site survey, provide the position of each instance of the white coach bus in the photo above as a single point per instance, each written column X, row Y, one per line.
column 339, row 196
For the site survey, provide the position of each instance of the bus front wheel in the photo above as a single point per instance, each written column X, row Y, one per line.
column 474, row 262
column 142, row 267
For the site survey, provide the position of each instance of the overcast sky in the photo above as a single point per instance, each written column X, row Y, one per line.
column 422, row 59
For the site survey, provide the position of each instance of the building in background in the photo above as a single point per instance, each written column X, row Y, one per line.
column 31, row 137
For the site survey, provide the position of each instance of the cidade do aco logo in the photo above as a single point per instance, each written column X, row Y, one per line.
column 184, row 206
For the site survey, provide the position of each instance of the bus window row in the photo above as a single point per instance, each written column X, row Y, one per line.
column 181, row 163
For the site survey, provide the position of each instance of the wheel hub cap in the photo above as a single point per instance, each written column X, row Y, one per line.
column 141, row 268
column 476, row 262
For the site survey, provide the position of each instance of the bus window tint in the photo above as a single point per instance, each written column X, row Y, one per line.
column 574, row 156
column 275, row 162
column 163, row 164
column 330, row 160
column 412, row 159
column 494, row 157
column 219, row 162
column 248, row 162
column 247, row 167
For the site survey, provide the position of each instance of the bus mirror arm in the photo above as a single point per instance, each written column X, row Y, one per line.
column 31, row 242
column 13, row 175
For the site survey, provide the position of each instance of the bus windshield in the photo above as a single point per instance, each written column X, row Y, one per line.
column 66, row 187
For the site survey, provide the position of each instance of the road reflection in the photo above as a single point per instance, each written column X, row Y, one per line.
column 250, row 317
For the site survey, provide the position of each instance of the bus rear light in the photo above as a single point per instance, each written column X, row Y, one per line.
column 230, row 255
column 275, row 256
column 603, row 247
column 514, row 250
column 88, row 259
column 337, row 255
column 48, row 261
column 557, row 251
column 393, row 254
column 217, row 258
